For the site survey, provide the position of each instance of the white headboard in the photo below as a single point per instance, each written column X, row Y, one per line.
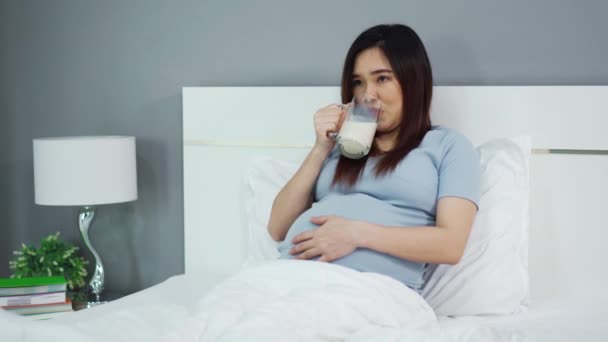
column 224, row 127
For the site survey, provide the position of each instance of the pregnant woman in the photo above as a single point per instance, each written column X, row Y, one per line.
column 410, row 202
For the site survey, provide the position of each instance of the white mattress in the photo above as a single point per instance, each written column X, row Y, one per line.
column 165, row 312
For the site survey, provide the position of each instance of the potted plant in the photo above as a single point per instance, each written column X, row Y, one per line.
column 53, row 258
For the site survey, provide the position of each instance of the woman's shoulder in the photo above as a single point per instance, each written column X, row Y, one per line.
column 446, row 137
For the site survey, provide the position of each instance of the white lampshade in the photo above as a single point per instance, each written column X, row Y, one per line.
column 85, row 171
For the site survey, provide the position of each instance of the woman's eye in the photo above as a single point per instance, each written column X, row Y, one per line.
column 356, row 83
column 383, row 79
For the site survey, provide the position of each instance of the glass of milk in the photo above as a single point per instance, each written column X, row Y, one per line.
column 357, row 132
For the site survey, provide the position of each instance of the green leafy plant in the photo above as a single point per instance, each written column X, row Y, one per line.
column 53, row 258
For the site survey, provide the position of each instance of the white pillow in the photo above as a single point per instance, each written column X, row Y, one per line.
column 263, row 180
column 492, row 276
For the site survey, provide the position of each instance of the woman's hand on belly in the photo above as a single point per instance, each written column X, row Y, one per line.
column 335, row 238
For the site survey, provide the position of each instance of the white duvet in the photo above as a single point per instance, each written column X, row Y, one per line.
column 291, row 300
column 282, row 300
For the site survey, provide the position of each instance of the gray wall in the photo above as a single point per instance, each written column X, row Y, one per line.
column 6, row 136
column 117, row 67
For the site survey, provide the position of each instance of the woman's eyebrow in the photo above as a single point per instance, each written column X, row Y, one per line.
column 377, row 71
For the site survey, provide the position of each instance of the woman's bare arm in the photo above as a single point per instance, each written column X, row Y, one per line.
column 440, row 244
column 296, row 196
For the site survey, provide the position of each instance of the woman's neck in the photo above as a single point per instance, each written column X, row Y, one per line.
column 385, row 142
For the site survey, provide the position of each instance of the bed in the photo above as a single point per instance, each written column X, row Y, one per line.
column 568, row 164
column 231, row 292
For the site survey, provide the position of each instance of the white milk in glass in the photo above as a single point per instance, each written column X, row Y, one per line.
column 355, row 138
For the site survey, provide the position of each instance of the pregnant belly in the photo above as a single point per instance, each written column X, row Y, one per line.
column 365, row 208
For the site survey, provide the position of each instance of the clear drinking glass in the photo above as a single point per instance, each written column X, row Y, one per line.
column 357, row 132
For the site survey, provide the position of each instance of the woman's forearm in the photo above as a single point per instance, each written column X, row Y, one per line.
column 296, row 195
column 433, row 245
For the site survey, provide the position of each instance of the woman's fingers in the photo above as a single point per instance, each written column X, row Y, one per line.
column 332, row 109
column 307, row 235
column 321, row 124
column 324, row 258
column 329, row 127
column 309, row 254
column 335, row 106
column 327, row 120
column 301, row 247
column 324, row 117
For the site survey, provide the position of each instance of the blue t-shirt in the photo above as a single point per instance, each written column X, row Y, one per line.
column 444, row 164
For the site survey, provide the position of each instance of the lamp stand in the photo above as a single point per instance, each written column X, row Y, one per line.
column 85, row 216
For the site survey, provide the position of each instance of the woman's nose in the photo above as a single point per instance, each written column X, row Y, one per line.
column 371, row 91
column 368, row 97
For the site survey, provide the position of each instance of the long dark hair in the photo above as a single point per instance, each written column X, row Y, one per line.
column 412, row 69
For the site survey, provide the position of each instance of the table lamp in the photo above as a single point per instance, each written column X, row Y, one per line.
column 85, row 171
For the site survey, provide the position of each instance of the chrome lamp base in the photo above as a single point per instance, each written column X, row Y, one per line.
column 85, row 216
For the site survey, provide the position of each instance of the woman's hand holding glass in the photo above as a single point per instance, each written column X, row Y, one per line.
column 352, row 126
column 335, row 238
column 327, row 120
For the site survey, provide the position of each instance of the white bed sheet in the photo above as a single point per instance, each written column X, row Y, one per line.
column 159, row 313
column 170, row 311
column 555, row 320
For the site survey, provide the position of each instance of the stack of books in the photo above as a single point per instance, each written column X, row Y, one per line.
column 37, row 297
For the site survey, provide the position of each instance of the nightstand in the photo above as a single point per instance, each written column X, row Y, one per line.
column 85, row 301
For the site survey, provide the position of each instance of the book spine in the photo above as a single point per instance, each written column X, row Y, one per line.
column 31, row 281
column 47, row 298
column 36, row 309
column 16, row 291
column 67, row 301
